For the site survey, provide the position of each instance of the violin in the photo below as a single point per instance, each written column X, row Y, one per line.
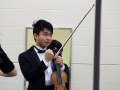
column 59, row 78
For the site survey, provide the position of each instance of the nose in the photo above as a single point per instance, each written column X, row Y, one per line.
column 49, row 37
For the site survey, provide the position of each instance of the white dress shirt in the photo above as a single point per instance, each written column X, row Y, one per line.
column 49, row 64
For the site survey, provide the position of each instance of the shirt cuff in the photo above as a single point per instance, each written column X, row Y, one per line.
column 46, row 63
column 62, row 68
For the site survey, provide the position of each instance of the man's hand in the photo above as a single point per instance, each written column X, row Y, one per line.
column 59, row 60
column 48, row 55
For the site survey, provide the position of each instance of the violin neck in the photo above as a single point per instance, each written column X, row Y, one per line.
column 58, row 74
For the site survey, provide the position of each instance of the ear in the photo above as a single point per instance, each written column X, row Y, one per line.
column 35, row 36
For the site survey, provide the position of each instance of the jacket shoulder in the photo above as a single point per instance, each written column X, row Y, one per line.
column 27, row 51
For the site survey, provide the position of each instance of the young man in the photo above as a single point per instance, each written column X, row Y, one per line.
column 36, row 63
column 55, row 46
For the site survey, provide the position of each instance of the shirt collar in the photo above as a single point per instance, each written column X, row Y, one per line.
column 41, row 48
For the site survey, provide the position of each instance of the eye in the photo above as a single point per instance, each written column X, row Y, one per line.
column 45, row 34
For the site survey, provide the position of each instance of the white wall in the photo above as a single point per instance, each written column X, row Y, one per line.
column 110, row 42
column 16, row 15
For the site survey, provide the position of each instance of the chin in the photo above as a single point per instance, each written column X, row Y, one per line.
column 47, row 44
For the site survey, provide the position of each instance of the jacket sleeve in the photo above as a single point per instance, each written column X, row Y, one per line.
column 67, row 72
column 29, row 72
column 5, row 64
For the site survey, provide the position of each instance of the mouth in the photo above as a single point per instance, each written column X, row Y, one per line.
column 47, row 42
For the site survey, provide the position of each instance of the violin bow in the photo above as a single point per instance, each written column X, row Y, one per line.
column 74, row 30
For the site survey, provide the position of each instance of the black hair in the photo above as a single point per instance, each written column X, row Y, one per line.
column 40, row 25
column 54, row 44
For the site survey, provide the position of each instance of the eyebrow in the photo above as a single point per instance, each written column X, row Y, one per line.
column 46, row 32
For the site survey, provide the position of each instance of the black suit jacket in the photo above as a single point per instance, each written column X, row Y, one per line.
column 33, row 69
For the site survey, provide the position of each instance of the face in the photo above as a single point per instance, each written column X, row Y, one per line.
column 44, row 38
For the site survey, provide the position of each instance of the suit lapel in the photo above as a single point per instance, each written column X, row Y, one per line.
column 35, row 56
column 32, row 51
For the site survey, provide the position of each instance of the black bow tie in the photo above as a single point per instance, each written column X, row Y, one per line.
column 40, row 51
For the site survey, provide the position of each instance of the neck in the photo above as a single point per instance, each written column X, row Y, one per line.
column 40, row 46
